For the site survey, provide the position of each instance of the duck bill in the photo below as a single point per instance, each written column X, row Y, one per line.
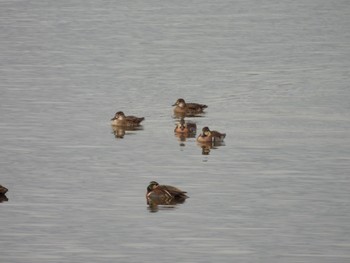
column 114, row 118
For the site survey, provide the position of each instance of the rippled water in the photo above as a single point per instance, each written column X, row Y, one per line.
column 275, row 75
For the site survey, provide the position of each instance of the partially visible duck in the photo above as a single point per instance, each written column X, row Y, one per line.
column 3, row 190
column 181, row 107
column 121, row 120
column 210, row 136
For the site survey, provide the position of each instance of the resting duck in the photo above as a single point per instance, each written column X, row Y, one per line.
column 164, row 194
column 210, row 136
column 120, row 119
column 181, row 107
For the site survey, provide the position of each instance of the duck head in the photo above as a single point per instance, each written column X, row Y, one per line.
column 206, row 132
column 151, row 186
column 119, row 115
column 180, row 102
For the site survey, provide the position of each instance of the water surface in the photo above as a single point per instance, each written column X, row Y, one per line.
column 275, row 76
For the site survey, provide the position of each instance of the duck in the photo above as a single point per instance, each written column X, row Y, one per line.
column 164, row 194
column 3, row 190
column 181, row 107
column 121, row 120
column 185, row 127
column 210, row 136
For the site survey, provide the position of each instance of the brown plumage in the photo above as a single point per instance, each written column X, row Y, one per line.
column 181, row 107
column 164, row 194
column 3, row 190
column 185, row 127
column 210, row 136
column 120, row 119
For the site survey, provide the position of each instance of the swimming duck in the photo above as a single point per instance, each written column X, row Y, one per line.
column 210, row 136
column 120, row 119
column 164, row 194
column 3, row 190
column 185, row 127
column 181, row 107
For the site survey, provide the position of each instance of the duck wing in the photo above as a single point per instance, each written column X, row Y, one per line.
column 218, row 134
column 196, row 106
column 134, row 119
column 192, row 127
column 176, row 192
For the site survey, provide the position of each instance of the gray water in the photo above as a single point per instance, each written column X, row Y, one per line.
column 275, row 75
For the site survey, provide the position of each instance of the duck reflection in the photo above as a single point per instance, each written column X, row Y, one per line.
column 120, row 132
column 3, row 191
column 3, row 198
column 179, row 115
column 164, row 196
column 208, row 146
column 153, row 208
